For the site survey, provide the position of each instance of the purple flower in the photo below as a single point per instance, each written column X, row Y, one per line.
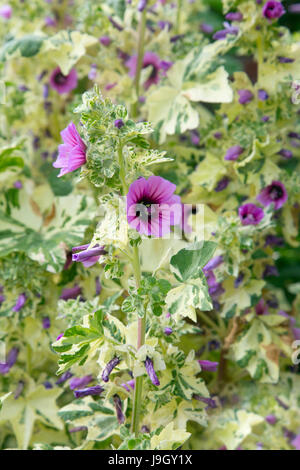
column 206, row 28
column 262, row 95
column 109, row 367
column 63, row 83
column 296, row 442
column 11, row 359
column 78, row 382
column 234, row 16
column 46, row 323
column 152, row 207
column 118, row 407
column 238, row 281
column 245, row 96
column 70, row 293
column 211, row 279
column 270, row 271
column 285, row 60
column 64, row 377
column 50, row 22
column 272, row 240
column 261, row 308
column 285, row 153
column 222, row 184
column 265, row 118
column 291, row 319
column 84, row 392
column 142, row 5
column 71, row 154
column 223, row 33
column 48, row 385
column 6, row 11
column 271, row 419
column 250, row 214
column 168, row 331
column 20, row 303
column 128, row 384
column 59, row 336
column 93, row 72
column 213, row 263
column 218, row 135
column 18, row 184
column 233, row 153
column 119, row 123
column 150, row 60
column 105, row 40
column 88, row 257
column 273, row 10
column 294, row 135
column 296, row 333
column 208, row 365
column 274, row 193
column 151, row 372
column 210, row 402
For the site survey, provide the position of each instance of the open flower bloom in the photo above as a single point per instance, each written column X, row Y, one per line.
column 152, row 207
column 150, row 60
column 88, row 257
column 250, row 214
column 71, row 154
column 273, row 10
column 274, row 193
column 63, row 83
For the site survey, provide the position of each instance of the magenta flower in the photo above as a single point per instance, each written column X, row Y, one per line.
column 250, row 214
column 261, row 308
column 78, row 382
column 233, row 153
column 273, row 10
column 109, row 367
column 262, row 95
column 20, row 303
column 63, row 83
column 88, row 257
column 150, row 60
column 271, row 419
column 274, row 193
column 152, row 207
column 71, row 154
column 245, row 96
column 105, row 40
column 168, row 331
column 84, row 392
column 6, row 11
column 151, row 372
column 208, row 365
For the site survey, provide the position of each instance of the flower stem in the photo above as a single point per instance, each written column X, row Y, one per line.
column 122, row 169
column 178, row 16
column 140, row 56
column 140, row 341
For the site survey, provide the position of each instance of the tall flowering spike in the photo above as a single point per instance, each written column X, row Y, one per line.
column 72, row 153
column 109, row 367
column 63, row 83
column 84, row 392
column 234, row 152
column 118, row 407
column 20, row 303
column 88, row 257
column 150, row 60
column 152, row 207
column 78, row 382
column 151, row 372
column 250, row 214
column 273, row 10
column 274, row 193
column 208, row 365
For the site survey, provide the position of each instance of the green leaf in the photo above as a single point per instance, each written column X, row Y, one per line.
column 187, row 263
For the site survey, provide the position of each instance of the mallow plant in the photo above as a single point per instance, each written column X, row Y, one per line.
column 149, row 164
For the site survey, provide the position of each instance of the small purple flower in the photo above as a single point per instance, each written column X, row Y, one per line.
column 273, row 10
column 261, row 308
column 150, row 60
column 210, row 402
column 152, row 207
column 234, row 152
column 294, row 135
column 238, row 281
column 151, row 372
column 70, row 293
column 109, row 367
column 168, row 331
column 195, row 138
column 48, row 385
column 250, row 214
column 213, row 263
column 6, row 11
column 11, row 359
column 270, row 271
column 222, row 184
column 262, row 95
column 218, row 135
column 63, row 83
column 59, row 336
column 234, row 16
column 18, row 184
column 294, row 8
column 207, row 28
column 118, row 407
column 46, row 323
column 64, row 377
column 88, row 257
column 105, row 40
column 296, row 442
column 50, row 22
column 119, row 123
column 285, row 60
column 245, row 96
column 109, row 86
column 84, row 392
column 271, row 419
column 208, row 365
column 274, row 193
column 72, row 153
column 285, row 153
column 223, row 33
column 128, row 384
column 273, row 240
column 78, row 382
column 93, row 72
column 296, row 333
column 265, row 118
column 142, row 5
column 20, row 303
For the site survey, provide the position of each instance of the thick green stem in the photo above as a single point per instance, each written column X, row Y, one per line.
column 140, row 57
column 138, row 390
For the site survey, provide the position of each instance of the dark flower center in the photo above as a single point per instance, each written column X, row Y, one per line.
column 276, row 193
column 154, row 70
column 60, row 79
column 145, row 209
